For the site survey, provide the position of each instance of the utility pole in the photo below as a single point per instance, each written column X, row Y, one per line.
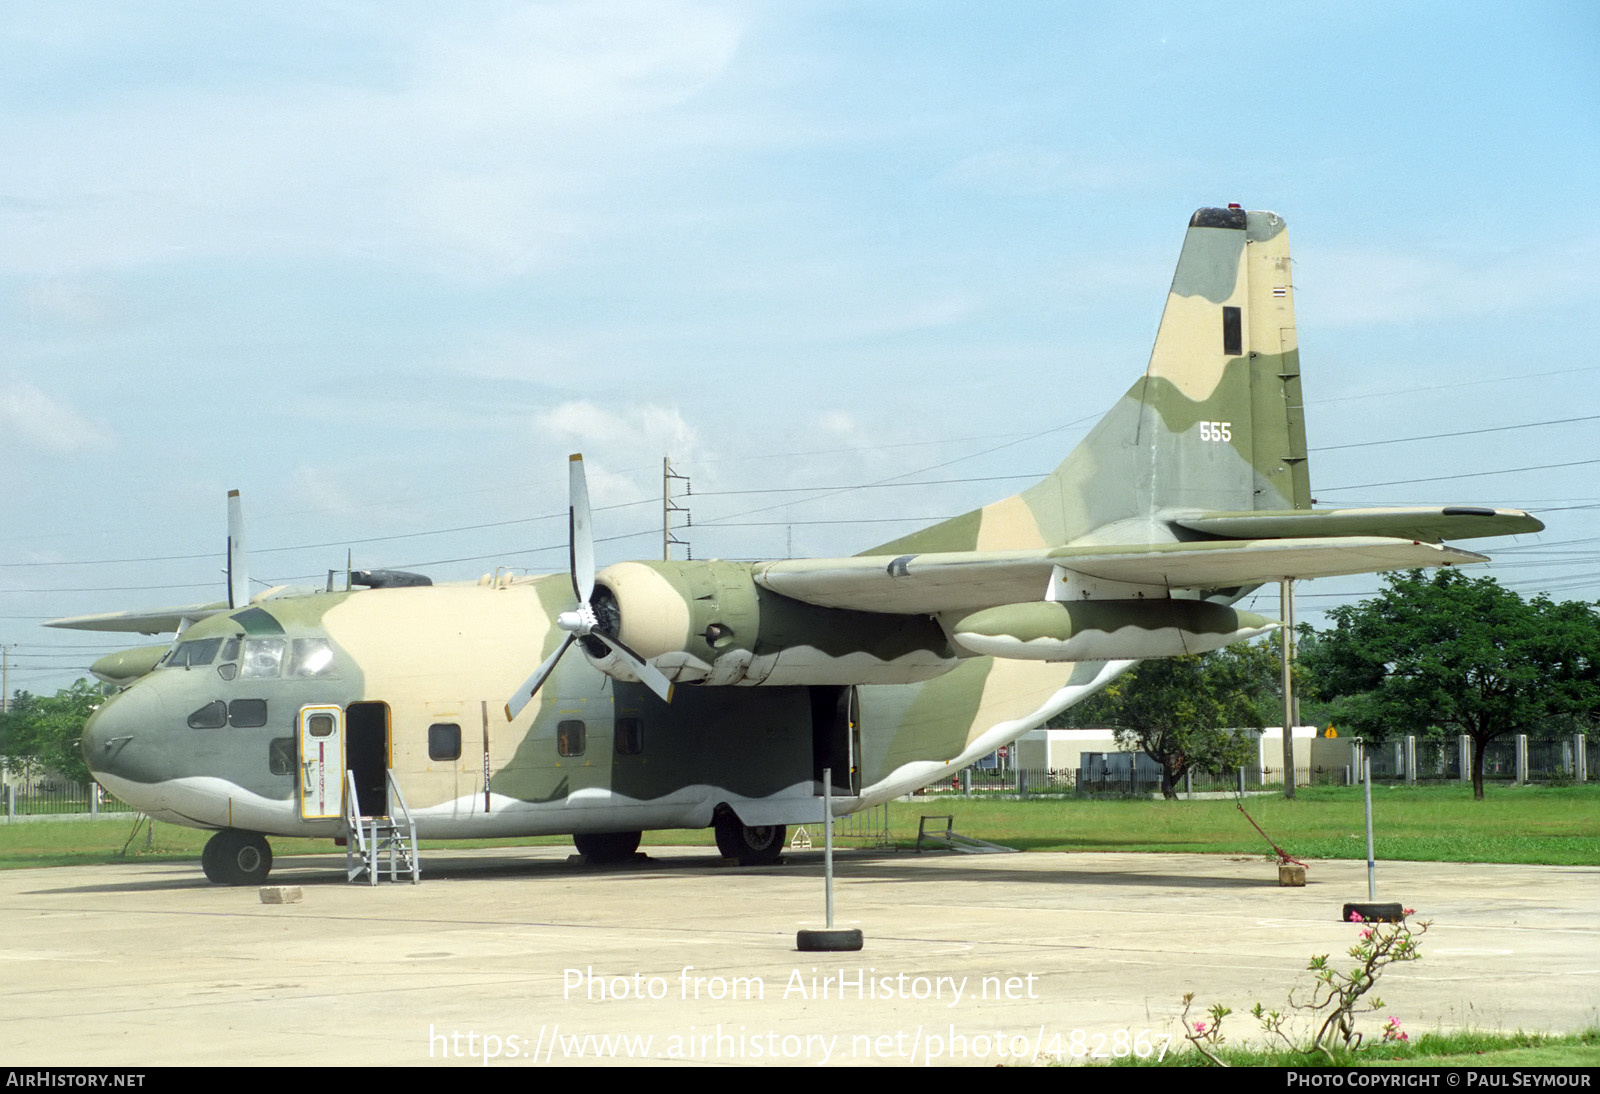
column 1286, row 592
column 669, row 506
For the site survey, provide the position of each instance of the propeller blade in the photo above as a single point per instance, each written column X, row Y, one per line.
column 648, row 674
column 581, row 621
column 581, row 538
column 524, row 694
column 238, row 563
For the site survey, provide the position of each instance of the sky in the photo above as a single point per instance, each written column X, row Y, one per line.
column 382, row 266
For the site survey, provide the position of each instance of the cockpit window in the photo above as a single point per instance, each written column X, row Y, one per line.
column 311, row 657
column 263, row 658
column 202, row 651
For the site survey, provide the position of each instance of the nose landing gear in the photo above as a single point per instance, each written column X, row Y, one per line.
column 232, row 857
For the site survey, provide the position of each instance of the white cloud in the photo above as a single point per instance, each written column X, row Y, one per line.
column 622, row 447
column 42, row 422
column 474, row 144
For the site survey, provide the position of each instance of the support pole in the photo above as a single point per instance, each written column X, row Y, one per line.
column 1286, row 591
column 828, row 939
column 827, row 839
column 1372, row 877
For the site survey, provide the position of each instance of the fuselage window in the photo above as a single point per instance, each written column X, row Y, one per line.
column 248, row 713
column 444, row 741
column 630, row 736
column 570, row 738
column 214, row 715
column 263, row 658
column 280, row 755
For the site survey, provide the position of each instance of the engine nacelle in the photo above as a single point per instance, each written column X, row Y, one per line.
column 710, row 623
column 1104, row 630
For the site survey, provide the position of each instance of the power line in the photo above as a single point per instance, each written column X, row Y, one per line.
column 1456, row 433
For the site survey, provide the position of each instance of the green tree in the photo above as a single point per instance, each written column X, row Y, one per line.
column 1463, row 654
column 1179, row 710
column 41, row 732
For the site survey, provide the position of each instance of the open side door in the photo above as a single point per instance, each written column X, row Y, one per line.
column 320, row 747
column 836, row 736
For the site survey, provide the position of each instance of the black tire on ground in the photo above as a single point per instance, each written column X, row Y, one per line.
column 211, row 859
column 758, row 846
column 232, row 857
column 607, row 846
column 832, row 940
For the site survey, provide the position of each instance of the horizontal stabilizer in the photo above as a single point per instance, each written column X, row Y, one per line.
column 969, row 580
column 1429, row 522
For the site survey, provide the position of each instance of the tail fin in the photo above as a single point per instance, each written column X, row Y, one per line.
column 1215, row 423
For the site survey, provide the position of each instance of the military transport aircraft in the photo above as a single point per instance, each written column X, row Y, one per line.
column 717, row 693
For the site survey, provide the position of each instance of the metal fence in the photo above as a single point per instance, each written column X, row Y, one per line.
column 1449, row 759
column 51, row 797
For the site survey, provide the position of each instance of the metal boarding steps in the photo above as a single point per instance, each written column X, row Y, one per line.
column 374, row 843
column 951, row 840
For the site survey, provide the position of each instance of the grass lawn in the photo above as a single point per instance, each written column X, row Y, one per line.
column 1525, row 824
column 1463, row 1049
column 1529, row 824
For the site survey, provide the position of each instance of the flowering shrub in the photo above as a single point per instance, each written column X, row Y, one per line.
column 1337, row 996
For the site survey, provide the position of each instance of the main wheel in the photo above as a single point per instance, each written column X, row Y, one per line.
column 758, row 846
column 603, row 847
column 232, row 857
column 211, row 859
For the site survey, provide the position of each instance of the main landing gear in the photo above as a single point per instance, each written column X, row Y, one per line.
column 603, row 848
column 232, row 857
column 758, row 846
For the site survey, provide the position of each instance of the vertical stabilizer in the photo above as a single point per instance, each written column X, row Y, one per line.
column 1221, row 416
column 1216, row 422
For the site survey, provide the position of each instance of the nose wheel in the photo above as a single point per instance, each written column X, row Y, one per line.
column 232, row 857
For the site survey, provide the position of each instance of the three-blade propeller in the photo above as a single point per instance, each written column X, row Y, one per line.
column 582, row 622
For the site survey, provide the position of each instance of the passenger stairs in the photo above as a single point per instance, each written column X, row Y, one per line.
column 379, row 843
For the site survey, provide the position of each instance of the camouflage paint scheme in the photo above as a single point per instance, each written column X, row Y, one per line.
column 1192, row 491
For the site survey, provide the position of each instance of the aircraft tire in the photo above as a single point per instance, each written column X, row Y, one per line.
column 607, row 847
column 241, row 858
column 757, row 846
column 211, row 859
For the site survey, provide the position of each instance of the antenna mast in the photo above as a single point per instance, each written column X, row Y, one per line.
column 670, row 506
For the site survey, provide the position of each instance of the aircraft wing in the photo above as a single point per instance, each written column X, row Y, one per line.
column 1429, row 522
column 157, row 621
column 968, row 580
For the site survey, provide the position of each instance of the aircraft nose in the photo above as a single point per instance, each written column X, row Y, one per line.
column 109, row 730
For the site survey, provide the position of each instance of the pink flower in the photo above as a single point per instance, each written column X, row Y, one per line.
column 1355, row 917
column 1410, row 911
column 1199, row 1027
column 1367, row 933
